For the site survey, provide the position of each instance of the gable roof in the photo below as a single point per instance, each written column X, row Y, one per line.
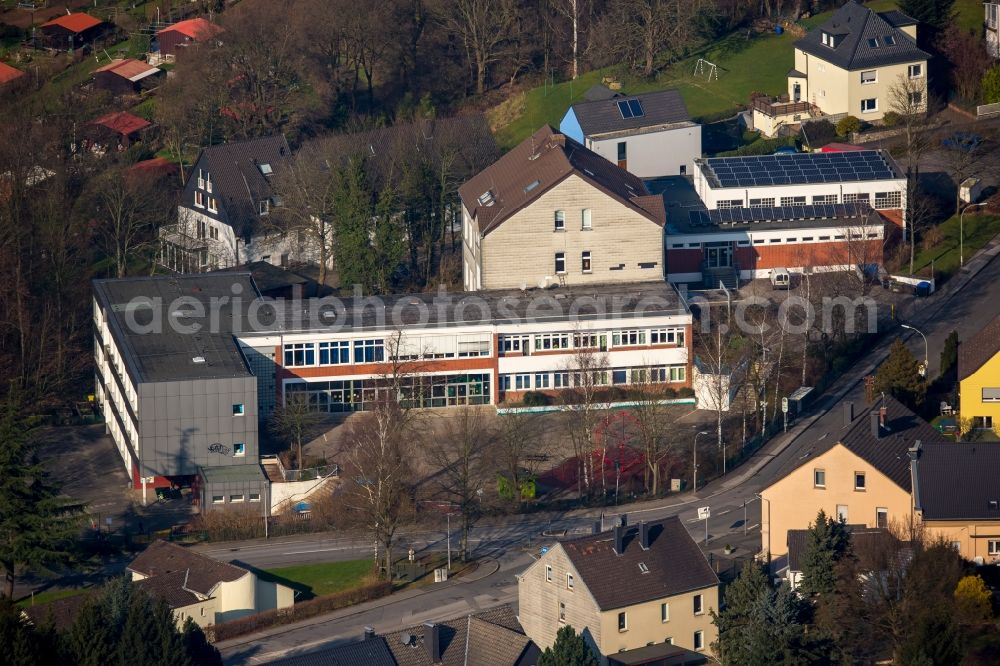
column 798, row 539
column 489, row 638
column 171, row 587
column 664, row 107
column 237, row 180
column 980, row 348
column 958, row 480
column 854, row 25
column 370, row 652
column 74, row 22
column 887, row 452
column 61, row 613
column 129, row 68
column 599, row 91
column 196, row 572
column 537, row 164
column 195, row 28
column 8, row 73
column 674, row 564
column 122, row 122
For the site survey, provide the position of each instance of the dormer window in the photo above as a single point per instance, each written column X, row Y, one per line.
column 828, row 40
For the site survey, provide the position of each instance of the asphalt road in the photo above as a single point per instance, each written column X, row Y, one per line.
column 513, row 543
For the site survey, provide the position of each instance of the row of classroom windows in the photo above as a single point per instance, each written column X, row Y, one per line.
column 345, row 352
column 883, row 200
column 352, row 395
column 871, row 235
column 663, row 374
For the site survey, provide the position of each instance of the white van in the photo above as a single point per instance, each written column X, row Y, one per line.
column 781, row 278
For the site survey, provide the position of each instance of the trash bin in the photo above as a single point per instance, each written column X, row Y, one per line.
column 923, row 289
column 779, row 29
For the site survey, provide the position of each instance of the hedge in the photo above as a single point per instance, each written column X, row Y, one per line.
column 300, row 611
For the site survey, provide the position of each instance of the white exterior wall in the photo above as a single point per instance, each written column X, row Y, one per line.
column 226, row 250
column 711, row 196
column 654, row 154
column 992, row 21
column 472, row 257
column 109, row 364
column 237, row 598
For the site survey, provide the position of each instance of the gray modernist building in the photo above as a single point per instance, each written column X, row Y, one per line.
column 178, row 396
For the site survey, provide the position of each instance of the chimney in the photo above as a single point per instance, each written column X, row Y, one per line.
column 914, row 455
column 883, row 416
column 876, row 419
column 848, row 413
column 619, row 540
column 432, row 641
column 644, row 535
column 624, row 519
column 597, row 527
column 369, row 633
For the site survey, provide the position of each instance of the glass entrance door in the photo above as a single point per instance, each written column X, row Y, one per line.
column 719, row 257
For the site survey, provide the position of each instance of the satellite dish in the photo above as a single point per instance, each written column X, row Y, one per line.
column 543, row 282
column 405, row 638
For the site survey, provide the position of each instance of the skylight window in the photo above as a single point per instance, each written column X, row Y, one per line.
column 631, row 108
column 889, row 40
column 530, row 186
column 873, row 42
column 266, row 169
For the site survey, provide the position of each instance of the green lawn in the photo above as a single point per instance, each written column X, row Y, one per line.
column 50, row 596
column 979, row 230
column 319, row 579
column 745, row 65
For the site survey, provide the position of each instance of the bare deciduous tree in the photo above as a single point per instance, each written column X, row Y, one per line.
column 291, row 422
column 653, row 424
column 484, row 26
column 588, row 372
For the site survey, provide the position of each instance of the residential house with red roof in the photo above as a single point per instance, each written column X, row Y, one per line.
column 175, row 38
column 116, row 130
column 8, row 75
column 551, row 211
column 124, row 76
column 72, row 31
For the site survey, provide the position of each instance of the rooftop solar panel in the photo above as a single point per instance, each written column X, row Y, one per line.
column 636, row 108
column 625, row 110
column 801, row 168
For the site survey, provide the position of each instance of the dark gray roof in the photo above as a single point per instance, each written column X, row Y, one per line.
column 797, row 540
column 164, row 353
column 237, row 180
column 656, row 654
column 371, row 652
column 674, row 564
column 957, row 481
column 573, row 303
column 886, row 452
column 725, row 220
column 854, row 25
column 251, row 471
column 897, row 19
column 664, row 107
column 598, row 92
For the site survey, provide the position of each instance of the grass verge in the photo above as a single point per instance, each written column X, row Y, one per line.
column 316, row 580
column 979, row 230
column 50, row 596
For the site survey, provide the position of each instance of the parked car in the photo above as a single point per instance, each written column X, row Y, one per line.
column 781, row 278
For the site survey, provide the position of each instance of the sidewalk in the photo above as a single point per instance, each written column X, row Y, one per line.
column 487, row 567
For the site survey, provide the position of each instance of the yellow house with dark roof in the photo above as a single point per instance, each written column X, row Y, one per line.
column 979, row 378
column 638, row 595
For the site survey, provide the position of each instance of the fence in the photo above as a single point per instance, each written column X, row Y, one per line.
column 986, row 110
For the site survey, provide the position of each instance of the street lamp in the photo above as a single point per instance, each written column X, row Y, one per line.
column 923, row 372
column 694, row 465
column 961, row 232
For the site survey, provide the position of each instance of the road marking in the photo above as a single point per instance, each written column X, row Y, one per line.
column 754, row 526
column 722, row 513
column 323, row 550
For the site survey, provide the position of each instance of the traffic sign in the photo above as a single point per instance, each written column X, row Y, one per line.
column 704, row 512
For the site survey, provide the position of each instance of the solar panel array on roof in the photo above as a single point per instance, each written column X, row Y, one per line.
column 731, row 216
column 631, row 108
column 802, row 169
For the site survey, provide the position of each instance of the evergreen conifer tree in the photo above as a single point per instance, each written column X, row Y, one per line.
column 570, row 649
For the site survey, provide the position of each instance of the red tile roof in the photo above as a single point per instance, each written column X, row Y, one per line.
column 8, row 73
column 128, row 68
column 196, row 28
column 122, row 122
column 75, row 22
